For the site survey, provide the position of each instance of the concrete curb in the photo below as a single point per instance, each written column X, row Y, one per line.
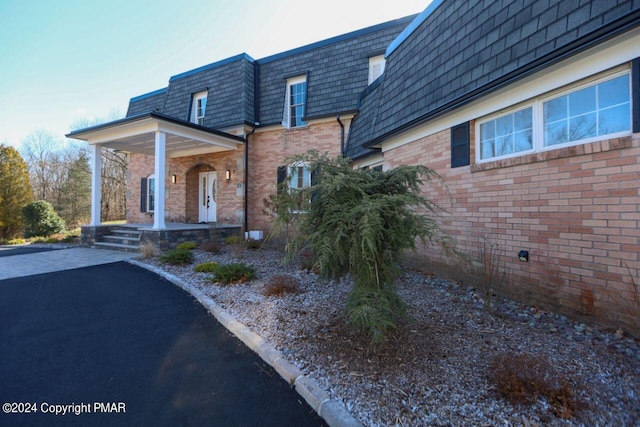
column 332, row 411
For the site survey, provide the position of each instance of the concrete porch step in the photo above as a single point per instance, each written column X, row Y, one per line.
column 117, row 246
column 125, row 240
column 127, row 232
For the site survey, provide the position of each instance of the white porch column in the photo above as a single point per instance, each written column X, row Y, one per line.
column 158, row 217
column 96, row 183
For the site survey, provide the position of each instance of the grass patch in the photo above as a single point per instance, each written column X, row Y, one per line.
column 237, row 245
column 16, row 242
column 147, row 250
column 235, row 273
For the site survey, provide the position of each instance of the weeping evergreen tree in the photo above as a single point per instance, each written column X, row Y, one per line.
column 359, row 222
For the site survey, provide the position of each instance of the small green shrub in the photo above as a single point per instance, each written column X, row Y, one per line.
column 206, row 267
column 186, row 246
column 282, row 284
column 234, row 273
column 177, row 257
column 40, row 219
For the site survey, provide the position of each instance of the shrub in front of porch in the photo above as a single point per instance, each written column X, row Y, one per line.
column 186, row 246
column 359, row 222
column 177, row 257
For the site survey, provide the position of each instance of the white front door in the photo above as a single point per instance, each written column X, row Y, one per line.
column 207, row 197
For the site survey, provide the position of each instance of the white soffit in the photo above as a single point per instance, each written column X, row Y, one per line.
column 138, row 136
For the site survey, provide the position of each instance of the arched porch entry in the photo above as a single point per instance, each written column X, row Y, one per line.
column 202, row 194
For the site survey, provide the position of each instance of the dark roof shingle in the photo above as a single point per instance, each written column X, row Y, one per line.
column 464, row 48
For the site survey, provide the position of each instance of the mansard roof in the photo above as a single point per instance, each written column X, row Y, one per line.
column 337, row 70
column 459, row 50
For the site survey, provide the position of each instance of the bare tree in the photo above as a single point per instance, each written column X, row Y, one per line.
column 42, row 151
column 113, row 174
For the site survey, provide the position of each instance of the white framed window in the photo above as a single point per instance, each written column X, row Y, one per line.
column 507, row 134
column 199, row 107
column 151, row 193
column 579, row 115
column 376, row 67
column 295, row 102
column 602, row 108
column 299, row 176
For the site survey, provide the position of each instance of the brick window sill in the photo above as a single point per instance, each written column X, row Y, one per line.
column 543, row 156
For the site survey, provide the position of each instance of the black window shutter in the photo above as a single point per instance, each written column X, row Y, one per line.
column 282, row 175
column 143, row 195
column 635, row 93
column 460, row 145
column 315, row 180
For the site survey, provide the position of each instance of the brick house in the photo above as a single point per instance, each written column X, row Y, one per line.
column 528, row 110
column 219, row 133
column 530, row 113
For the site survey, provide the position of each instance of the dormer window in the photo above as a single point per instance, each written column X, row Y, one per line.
column 198, row 107
column 295, row 101
column 376, row 67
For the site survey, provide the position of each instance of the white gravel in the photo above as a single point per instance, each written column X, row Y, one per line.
column 434, row 369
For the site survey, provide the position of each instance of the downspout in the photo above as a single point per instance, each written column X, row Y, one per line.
column 246, row 177
column 341, row 135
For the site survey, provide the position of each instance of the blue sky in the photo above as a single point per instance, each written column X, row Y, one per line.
column 65, row 60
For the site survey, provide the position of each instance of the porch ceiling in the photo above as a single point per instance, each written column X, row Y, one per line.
column 137, row 135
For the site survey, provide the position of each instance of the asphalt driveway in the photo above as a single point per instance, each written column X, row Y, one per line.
column 114, row 337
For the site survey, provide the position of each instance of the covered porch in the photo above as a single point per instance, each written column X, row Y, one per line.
column 129, row 237
column 164, row 138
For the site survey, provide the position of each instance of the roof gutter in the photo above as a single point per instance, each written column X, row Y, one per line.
column 341, row 135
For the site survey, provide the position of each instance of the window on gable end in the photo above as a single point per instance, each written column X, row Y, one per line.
column 199, row 107
column 376, row 67
column 295, row 102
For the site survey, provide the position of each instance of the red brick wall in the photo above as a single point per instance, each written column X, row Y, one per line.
column 576, row 210
column 182, row 199
column 270, row 149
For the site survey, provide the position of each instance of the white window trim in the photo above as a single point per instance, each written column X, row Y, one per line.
column 537, row 105
column 286, row 118
column 305, row 166
column 150, row 191
column 195, row 118
column 293, row 190
column 373, row 61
